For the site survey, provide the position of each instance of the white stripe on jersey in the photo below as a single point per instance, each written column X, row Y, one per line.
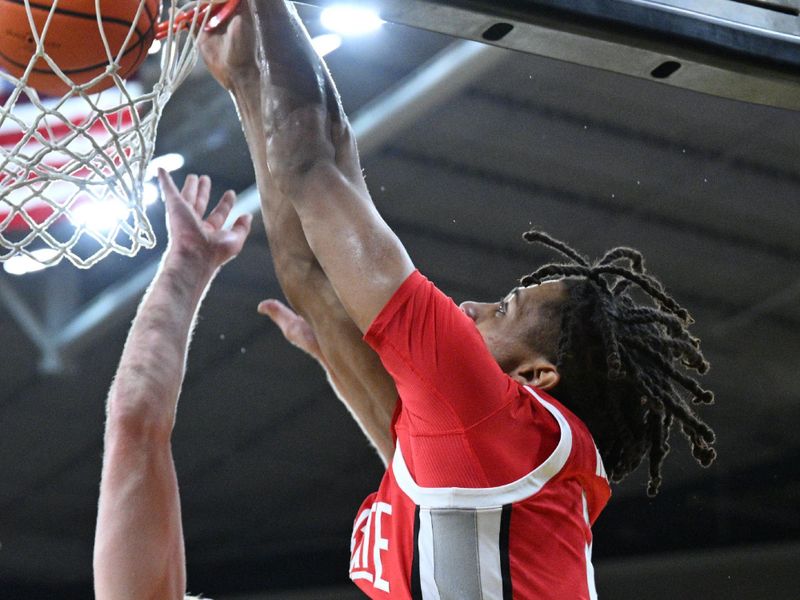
column 427, row 567
column 515, row 491
column 600, row 471
column 489, row 553
column 590, row 573
column 459, row 554
column 589, row 566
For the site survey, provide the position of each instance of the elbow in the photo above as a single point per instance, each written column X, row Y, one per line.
column 136, row 415
column 312, row 189
column 139, row 427
column 303, row 147
column 302, row 178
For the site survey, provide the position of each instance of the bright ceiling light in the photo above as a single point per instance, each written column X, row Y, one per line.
column 326, row 43
column 150, row 193
column 22, row 263
column 100, row 217
column 347, row 20
column 169, row 162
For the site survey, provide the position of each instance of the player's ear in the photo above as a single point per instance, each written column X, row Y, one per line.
column 538, row 372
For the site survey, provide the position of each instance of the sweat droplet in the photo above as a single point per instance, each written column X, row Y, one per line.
column 222, row 336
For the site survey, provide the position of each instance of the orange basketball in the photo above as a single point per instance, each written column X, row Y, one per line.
column 74, row 40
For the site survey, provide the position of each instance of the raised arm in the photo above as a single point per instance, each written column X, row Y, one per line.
column 313, row 160
column 138, row 552
column 352, row 367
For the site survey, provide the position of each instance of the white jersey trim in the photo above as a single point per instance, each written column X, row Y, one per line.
column 589, row 567
column 427, row 563
column 515, row 491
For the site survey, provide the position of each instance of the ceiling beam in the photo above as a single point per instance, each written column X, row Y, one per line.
column 747, row 51
column 50, row 359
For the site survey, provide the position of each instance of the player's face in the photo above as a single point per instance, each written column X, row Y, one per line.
column 506, row 325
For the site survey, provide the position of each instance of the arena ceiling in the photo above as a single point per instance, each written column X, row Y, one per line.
column 464, row 148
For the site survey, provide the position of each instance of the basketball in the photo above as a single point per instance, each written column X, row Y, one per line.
column 74, row 40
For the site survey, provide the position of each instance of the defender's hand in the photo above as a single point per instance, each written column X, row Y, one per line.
column 201, row 241
column 229, row 51
column 294, row 327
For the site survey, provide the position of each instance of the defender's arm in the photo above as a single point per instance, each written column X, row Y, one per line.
column 139, row 552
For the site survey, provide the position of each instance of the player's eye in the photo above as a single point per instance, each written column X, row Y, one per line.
column 502, row 306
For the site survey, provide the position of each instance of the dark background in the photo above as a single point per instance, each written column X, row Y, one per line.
column 271, row 466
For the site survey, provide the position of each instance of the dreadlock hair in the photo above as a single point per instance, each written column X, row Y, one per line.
column 625, row 365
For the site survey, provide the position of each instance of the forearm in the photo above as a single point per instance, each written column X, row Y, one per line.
column 294, row 74
column 138, row 549
column 312, row 157
column 302, row 113
column 265, row 97
column 353, row 369
column 145, row 389
column 294, row 261
column 138, row 552
column 360, row 381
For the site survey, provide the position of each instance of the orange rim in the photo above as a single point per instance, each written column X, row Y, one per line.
column 219, row 12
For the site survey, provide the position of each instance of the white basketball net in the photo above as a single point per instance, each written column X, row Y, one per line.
column 72, row 169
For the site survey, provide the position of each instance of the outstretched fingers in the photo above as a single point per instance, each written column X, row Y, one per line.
column 280, row 314
column 234, row 238
column 189, row 234
column 293, row 327
column 189, row 191
column 241, row 227
column 229, row 242
column 168, row 187
column 203, row 194
column 277, row 311
column 221, row 211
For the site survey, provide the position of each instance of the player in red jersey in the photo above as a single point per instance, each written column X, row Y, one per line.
column 493, row 483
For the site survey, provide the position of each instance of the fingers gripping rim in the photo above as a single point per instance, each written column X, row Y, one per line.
column 218, row 12
column 221, row 13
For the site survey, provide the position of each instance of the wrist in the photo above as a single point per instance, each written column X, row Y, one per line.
column 189, row 272
column 246, row 85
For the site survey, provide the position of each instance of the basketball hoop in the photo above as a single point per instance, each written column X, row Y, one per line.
column 68, row 162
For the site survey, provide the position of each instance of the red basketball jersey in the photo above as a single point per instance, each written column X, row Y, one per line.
column 493, row 486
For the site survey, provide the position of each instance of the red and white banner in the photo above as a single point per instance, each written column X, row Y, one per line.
column 36, row 146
